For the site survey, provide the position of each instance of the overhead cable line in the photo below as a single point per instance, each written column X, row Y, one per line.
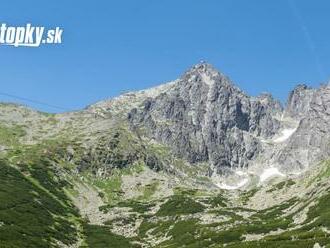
column 34, row 101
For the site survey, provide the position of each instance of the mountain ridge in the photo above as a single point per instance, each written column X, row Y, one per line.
column 192, row 163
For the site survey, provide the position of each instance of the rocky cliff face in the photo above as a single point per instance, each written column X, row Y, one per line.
column 310, row 143
column 204, row 117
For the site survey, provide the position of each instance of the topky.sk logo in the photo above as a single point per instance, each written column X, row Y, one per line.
column 29, row 36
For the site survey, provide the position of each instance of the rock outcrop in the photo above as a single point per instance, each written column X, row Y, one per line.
column 311, row 141
column 204, row 117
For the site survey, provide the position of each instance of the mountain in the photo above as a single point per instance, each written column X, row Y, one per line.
column 310, row 108
column 205, row 118
column 195, row 162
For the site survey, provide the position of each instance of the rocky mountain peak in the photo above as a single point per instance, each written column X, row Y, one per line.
column 205, row 118
column 203, row 68
column 205, row 73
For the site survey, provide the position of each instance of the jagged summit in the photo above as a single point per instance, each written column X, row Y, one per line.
column 203, row 67
column 208, row 119
column 200, row 78
column 205, row 73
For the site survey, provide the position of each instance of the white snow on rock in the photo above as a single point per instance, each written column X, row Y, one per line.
column 286, row 133
column 207, row 79
column 240, row 173
column 232, row 187
column 270, row 172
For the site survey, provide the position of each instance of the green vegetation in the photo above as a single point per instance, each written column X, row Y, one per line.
column 101, row 237
column 320, row 213
column 281, row 185
column 228, row 213
column 149, row 190
column 279, row 244
column 10, row 135
column 136, row 206
column 31, row 215
column 157, row 229
column 246, row 195
column 180, row 205
column 215, row 201
column 325, row 173
column 110, row 186
column 123, row 220
column 53, row 150
column 189, row 233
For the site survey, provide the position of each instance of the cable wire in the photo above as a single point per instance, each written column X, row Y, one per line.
column 34, row 101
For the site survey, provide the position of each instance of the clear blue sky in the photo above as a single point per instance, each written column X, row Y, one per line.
column 114, row 46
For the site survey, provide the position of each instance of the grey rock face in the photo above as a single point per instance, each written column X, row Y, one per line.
column 299, row 101
column 311, row 141
column 204, row 117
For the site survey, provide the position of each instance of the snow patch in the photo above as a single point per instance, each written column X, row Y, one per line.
column 286, row 133
column 232, row 187
column 240, row 173
column 270, row 172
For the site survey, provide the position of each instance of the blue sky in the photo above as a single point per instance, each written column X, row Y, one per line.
column 114, row 46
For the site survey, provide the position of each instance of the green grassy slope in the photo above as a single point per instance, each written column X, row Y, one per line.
column 31, row 216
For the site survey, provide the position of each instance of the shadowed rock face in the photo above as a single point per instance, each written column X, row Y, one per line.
column 204, row 117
